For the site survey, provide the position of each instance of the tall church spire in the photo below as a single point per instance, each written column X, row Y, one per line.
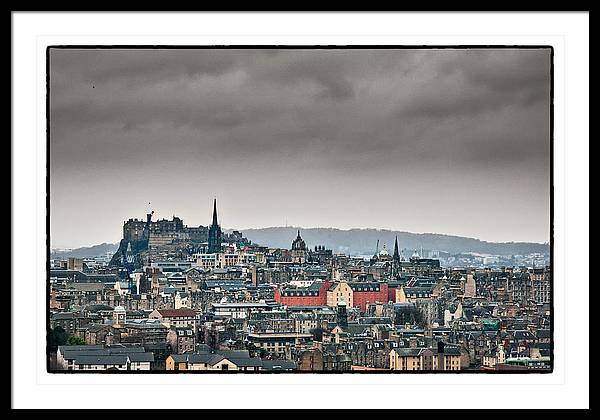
column 215, row 235
column 395, row 259
column 214, row 219
column 396, row 256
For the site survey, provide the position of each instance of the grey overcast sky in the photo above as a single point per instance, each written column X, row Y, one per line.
column 434, row 140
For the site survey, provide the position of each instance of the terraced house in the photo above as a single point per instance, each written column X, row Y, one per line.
column 418, row 358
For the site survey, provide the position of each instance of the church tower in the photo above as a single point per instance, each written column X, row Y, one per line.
column 342, row 315
column 396, row 260
column 299, row 250
column 215, row 235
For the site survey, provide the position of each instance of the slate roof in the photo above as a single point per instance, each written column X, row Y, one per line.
column 448, row 350
column 60, row 316
column 312, row 290
column 81, row 347
column 203, row 348
column 417, row 351
column 375, row 320
column 73, row 354
column 174, row 313
column 246, row 362
column 96, row 327
column 278, row 364
column 235, row 354
column 178, row 358
column 141, row 357
column 356, row 329
column 198, row 357
column 544, row 333
column 523, row 335
column 365, row 287
column 101, row 359
column 409, row 352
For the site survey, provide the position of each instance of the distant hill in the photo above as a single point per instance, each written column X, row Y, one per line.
column 363, row 241
column 86, row 252
column 354, row 242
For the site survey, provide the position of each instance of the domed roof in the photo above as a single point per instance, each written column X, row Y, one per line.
column 384, row 250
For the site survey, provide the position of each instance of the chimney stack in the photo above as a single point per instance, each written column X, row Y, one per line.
column 413, row 341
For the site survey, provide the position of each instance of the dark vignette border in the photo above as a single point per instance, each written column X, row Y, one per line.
column 304, row 47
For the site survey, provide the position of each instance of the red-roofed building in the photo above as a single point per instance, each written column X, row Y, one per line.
column 365, row 293
column 182, row 317
column 314, row 295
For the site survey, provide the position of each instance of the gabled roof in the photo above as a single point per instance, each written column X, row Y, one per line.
column 82, row 347
column 141, row 357
column 69, row 354
column 278, row 364
column 356, row 329
column 199, row 357
column 172, row 313
column 216, row 358
column 101, row 359
column 365, row 287
column 235, row 354
column 246, row 362
column 58, row 316
column 408, row 352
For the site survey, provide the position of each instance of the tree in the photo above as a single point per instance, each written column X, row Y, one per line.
column 317, row 334
column 57, row 337
column 75, row 341
column 161, row 355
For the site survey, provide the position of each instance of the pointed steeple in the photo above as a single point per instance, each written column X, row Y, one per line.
column 214, row 219
column 396, row 253
column 215, row 235
column 298, row 244
column 377, row 248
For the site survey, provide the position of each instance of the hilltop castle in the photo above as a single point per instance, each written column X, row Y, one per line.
column 142, row 235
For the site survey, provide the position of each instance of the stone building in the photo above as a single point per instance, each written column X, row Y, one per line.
column 181, row 339
column 215, row 235
column 299, row 250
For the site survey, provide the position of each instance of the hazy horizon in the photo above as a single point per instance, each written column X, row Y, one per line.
column 229, row 229
column 445, row 141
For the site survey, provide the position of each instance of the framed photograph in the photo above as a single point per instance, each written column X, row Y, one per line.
column 361, row 152
column 303, row 209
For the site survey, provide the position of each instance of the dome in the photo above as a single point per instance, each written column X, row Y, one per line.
column 384, row 251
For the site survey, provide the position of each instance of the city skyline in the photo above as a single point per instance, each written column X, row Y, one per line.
column 443, row 141
column 287, row 226
column 177, row 152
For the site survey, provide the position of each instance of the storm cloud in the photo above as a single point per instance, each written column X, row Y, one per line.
column 450, row 141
